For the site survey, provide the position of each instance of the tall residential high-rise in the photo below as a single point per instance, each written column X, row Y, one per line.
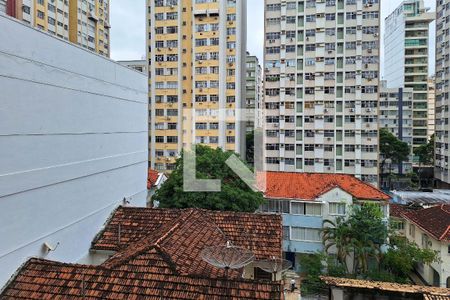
column 396, row 115
column 442, row 143
column 2, row 6
column 321, row 86
column 406, row 59
column 83, row 22
column 431, row 106
column 253, row 98
column 197, row 57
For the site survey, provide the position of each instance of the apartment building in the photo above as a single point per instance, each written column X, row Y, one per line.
column 254, row 90
column 83, row 22
column 406, row 60
column 321, row 86
column 197, row 57
column 396, row 110
column 2, row 6
column 138, row 65
column 431, row 106
column 442, row 89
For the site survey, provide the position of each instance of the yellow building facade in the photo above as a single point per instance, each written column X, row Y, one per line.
column 196, row 55
column 83, row 22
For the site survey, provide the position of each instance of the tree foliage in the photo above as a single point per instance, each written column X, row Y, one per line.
column 235, row 195
column 425, row 152
column 250, row 147
column 392, row 148
column 402, row 255
column 360, row 239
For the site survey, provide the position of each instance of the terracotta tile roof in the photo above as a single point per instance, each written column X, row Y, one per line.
column 159, row 258
column 434, row 220
column 397, row 210
column 152, row 178
column 309, row 186
column 42, row 279
column 387, row 286
column 261, row 233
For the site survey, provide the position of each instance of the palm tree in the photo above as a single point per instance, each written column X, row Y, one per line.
column 348, row 244
column 337, row 235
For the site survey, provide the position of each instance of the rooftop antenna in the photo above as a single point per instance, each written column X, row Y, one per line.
column 274, row 266
column 227, row 257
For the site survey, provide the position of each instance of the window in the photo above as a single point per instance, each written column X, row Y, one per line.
column 276, row 206
column 398, row 225
column 40, row 15
column 308, row 209
column 305, row 234
column 412, row 230
column 337, row 209
column 286, row 235
column 426, row 243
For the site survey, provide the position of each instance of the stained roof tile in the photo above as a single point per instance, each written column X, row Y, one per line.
column 309, row 186
column 388, row 287
column 158, row 257
column 434, row 220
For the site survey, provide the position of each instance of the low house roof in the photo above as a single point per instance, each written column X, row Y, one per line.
column 42, row 279
column 309, row 186
column 159, row 257
column 152, row 178
column 434, row 220
column 387, row 287
column 397, row 210
column 261, row 233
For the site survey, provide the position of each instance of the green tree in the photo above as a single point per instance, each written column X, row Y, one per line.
column 250, row 147
column 359, row 237
column 391, row 149
column 235, row 195
column 402, row 255
column 425, row 154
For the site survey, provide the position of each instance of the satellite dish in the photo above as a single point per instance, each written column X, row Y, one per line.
column 274, row 265
column 227, row 257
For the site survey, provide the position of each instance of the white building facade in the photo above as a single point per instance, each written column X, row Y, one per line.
column 396, row 110
column 442, row 145
column 321, row 87
column 73, row 145
column 138, row 65
column 406, row 60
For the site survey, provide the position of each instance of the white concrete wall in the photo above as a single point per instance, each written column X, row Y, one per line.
column 73, row 144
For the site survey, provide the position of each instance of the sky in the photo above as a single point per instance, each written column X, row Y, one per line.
column 128, row 28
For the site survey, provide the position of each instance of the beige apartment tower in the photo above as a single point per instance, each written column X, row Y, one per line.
column 197, row 56
column 442, row 90
column 321, row 86
column 83, row 22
